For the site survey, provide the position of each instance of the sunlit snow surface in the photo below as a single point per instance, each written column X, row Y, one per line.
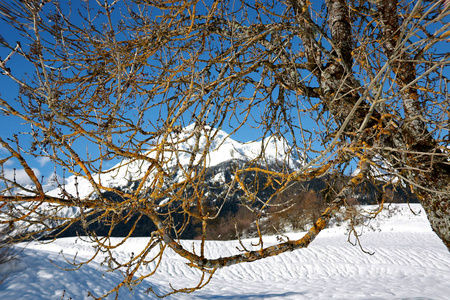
column 409, row 262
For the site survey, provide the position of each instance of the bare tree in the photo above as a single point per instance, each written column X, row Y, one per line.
column 344, row 83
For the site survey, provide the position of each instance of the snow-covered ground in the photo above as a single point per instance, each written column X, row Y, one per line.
column 409, row 262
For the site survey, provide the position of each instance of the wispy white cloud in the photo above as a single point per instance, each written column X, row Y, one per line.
column 20, row 176
column 5, row 153
column 9, row 162
column 43, row 161
column 3, row 150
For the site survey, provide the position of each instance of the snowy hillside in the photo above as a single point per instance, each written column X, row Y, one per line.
column 179, row 149
column 409, row 262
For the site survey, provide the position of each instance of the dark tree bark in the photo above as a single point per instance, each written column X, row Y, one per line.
column 431, row 174
column 343, row 98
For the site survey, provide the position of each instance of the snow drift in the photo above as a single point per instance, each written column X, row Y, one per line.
column 409, row 262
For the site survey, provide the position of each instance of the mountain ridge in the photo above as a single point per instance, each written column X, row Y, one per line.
column 180, row 149
column 220, row 193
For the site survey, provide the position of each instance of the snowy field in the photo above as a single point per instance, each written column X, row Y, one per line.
column 409, row 262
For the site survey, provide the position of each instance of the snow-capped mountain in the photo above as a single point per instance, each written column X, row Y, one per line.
column 185, row 150
column 215, row 151
column 204, row 145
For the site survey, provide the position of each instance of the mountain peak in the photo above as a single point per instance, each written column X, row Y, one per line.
column 202, row 145
column 220, row 147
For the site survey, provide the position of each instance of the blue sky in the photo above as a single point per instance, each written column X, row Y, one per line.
column 10, row 125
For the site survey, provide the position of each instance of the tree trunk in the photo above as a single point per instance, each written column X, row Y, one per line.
column 428, row 174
